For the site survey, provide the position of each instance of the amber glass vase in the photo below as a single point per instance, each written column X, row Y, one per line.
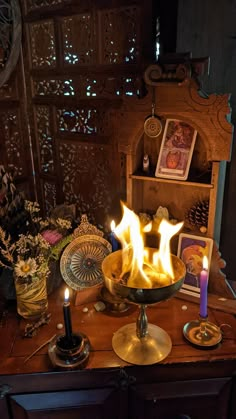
column 31, row 297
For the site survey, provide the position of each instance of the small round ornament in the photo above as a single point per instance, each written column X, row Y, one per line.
column 153, row 126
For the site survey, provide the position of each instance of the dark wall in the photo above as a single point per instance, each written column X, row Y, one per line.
column 207, row 28
column 168, row 24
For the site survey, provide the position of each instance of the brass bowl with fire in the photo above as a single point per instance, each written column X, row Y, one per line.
column 111, row 267
column 141, row 343
column 142, row 276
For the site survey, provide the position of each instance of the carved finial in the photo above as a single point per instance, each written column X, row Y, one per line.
column 176, row 68
column 86, row 228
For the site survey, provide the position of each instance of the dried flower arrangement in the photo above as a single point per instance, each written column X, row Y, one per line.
column 27, row 241
column 29, row 255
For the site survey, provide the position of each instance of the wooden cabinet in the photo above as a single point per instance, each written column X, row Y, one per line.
column 189, row 383
column 129, row 398
column 176, row 92
column 208, row 115
column 186, row 399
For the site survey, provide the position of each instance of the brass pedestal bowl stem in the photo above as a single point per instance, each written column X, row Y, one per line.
column 142, row 322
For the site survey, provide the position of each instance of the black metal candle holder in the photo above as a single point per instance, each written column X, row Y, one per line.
column 68, row 354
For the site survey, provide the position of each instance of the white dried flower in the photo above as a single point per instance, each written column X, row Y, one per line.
column 24, row 268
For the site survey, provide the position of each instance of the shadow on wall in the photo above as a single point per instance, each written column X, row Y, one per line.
column 228, row 224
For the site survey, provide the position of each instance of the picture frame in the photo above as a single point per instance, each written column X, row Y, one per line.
column 191, row 249
column 176, row 150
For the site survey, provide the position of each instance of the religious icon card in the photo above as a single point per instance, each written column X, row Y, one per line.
column 176, row 150
column 191, row 250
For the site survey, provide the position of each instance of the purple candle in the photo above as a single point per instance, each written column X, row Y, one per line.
column 203, row 288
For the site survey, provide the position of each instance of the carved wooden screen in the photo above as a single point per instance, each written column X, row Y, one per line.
column 15, row 152
column 81, row 59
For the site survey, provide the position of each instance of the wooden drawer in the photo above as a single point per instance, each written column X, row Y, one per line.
column 84, row 404
column 200, row 399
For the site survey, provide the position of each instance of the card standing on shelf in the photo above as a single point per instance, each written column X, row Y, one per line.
column 176, row 150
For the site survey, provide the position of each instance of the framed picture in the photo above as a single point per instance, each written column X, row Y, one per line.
column 191, row 250
column 176, row 150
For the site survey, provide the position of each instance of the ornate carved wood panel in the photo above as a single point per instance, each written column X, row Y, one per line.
column 81, row 60
column 15, row 152
column 15, row 149
column 10, row 37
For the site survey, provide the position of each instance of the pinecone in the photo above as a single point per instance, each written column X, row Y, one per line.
column 197, row 216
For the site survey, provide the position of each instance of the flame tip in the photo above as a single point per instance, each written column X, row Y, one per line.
column 136, row 264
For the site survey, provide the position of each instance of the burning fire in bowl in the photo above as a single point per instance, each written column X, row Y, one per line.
column 140, row 274
column 143, row 276
column 112, row 268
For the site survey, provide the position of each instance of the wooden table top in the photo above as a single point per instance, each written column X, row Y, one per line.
column 170, row 315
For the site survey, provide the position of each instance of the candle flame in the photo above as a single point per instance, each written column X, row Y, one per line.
column 136, row 264
column 67, row 294
column 113, row 226
column 205, row 263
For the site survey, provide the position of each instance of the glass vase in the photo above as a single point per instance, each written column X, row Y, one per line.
column 31, row 297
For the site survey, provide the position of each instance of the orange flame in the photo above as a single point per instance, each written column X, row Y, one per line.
column 136, row 264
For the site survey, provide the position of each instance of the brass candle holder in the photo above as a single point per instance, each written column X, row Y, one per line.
column 140, row 343
column 69, row 354
column 202, row 333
